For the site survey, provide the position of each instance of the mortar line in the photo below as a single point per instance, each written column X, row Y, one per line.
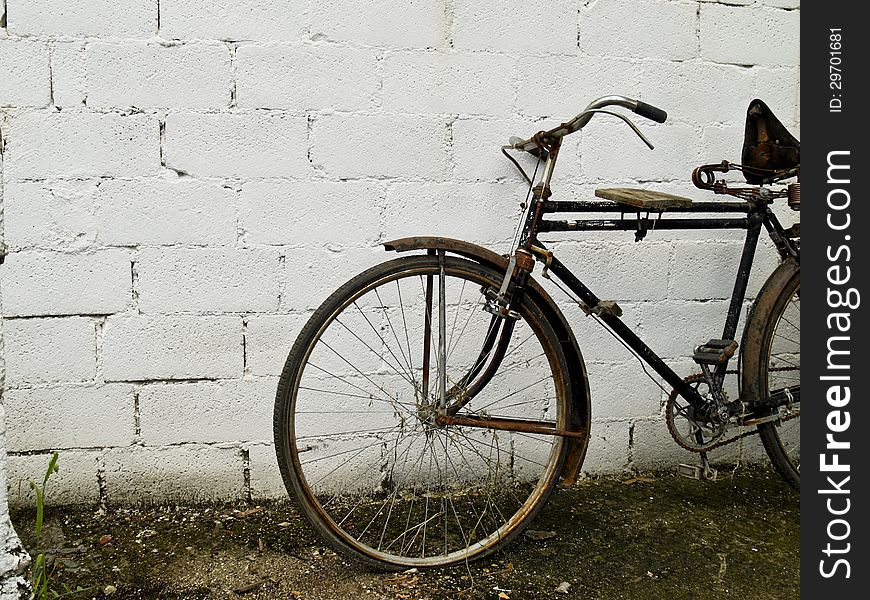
column 233, row 47
column 50, row 75
column 134, row 282
column 99, row 334
column 246, row 370
column 137, row 418
column 101, row 480
column 449, row 25
column 246, row 473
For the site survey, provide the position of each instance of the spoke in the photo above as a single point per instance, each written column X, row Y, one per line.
column 488, row 461
column 375, row 352
column 405, row 324
column 371, row 398
column 395, row 337
column 363, row 374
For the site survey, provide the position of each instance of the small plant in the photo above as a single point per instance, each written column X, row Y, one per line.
column 41, row 575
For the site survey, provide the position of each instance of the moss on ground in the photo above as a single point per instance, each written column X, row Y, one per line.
column 657, row 536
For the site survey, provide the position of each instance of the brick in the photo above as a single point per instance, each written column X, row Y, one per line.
column 312, row 275
column 180, row 473
column 768, row 36
column 641, row 29
column 74, row 483
column 52, row 283
column 236, row 145
column 25, row 73
column 81, row 145
column 153, row 76
column 467, row 83
column 623, row 391
column 560, row 87
column 208, row 279
column 515, row 26
column 268, row 339
column 336, row 78
column 233, row 19
column 310, row 213
column 608, row 447
column 70, row 417
column 266, row 479
column 704, row 270
column 172, row 347
column 779, row 89
column 611, row 269
column 420, row 209
column 228, row 411
column 50, row 350
column 165, row 211
column 696, row 92
column 620, row 156
column 57, row 215
column 91, row 18
column 381, row 23
column 786, row 4
column 653, row 448
column 674, row 329
column 68, row 74
column 350, row 146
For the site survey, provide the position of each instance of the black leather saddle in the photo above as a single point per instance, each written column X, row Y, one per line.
column 767, row 145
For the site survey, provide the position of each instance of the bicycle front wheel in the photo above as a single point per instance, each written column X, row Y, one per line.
column 355, row 416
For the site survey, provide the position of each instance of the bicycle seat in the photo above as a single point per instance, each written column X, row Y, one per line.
column 643, row 199
column 767, row 144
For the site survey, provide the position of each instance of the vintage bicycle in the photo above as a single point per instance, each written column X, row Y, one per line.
column 432, row 403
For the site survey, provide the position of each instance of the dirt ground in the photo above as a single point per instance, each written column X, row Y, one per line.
column 632, row 537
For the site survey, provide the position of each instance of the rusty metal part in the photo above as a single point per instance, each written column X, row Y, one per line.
column 704, row 178
column 670, row 421
column 732, row 439
column 768, row 146
column 581, row 403
column 794, row 196
column 753, row 332
column 525, row 260
column 504, row 424
column 794, row 231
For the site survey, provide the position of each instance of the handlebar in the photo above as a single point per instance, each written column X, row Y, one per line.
column 577, row 123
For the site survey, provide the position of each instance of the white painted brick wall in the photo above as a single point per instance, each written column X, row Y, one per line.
column 184, row 181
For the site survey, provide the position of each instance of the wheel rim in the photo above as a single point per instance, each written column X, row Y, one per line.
column 382, row 477
column 783, row 373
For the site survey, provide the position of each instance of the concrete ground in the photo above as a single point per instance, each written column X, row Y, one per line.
column 628, row 536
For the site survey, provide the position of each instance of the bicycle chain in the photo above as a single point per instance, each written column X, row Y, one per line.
column 677, row 438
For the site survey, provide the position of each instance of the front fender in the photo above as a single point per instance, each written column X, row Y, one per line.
column 578, row 381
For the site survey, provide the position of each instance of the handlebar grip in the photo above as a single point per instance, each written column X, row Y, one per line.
column 651, row 112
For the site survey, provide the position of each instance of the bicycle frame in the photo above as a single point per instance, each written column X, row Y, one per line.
column 757, row 214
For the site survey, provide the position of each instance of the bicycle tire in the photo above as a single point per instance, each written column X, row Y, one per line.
column 296, row 435
column 775, row 363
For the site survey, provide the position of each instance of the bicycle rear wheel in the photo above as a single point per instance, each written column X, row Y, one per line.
column 354, row 425
column 777, row 368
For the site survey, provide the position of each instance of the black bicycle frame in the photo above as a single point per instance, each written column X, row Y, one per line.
column 757, row 213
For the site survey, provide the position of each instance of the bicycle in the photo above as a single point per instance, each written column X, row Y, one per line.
column 431, row 404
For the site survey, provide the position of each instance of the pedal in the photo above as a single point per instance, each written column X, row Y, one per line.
column 689, row 471
column 697, row 473
column 714, row 352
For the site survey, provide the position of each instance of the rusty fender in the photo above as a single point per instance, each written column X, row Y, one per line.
column 578, row 382
column 758, row 316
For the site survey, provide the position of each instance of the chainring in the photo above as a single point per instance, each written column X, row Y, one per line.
column 696, row 436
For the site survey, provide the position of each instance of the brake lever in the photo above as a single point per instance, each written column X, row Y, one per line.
column 628, row 121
